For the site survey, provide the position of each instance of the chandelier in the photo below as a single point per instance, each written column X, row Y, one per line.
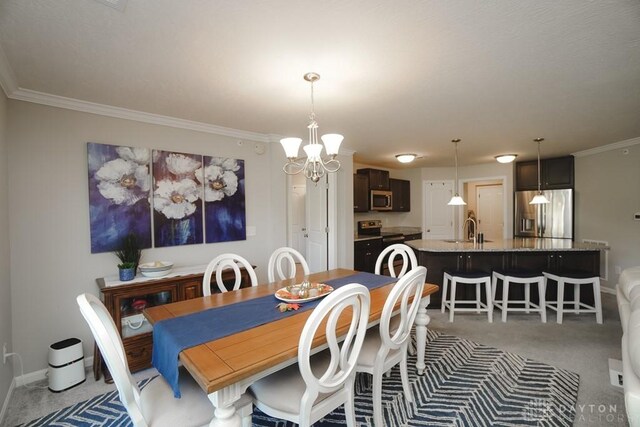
column 314, row 166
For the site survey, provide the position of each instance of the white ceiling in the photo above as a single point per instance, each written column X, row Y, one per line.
column 396, row 76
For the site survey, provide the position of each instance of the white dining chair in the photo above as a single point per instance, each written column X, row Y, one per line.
column 219, row 264
column 154, row 405
column 289, row 257
column 386, row 345
column 409, row 261
column 399, row 250
column 305, row 392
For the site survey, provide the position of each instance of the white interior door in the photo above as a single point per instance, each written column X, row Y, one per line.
column 490, row 216
column 438, row 216
column 298, row 230
column 317, row 225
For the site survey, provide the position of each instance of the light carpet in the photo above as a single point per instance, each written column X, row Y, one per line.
column 465, row 384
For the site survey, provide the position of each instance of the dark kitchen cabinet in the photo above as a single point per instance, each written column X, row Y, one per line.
column 378, row 179
column 555, row 173
column 526, row 176
column 365, row 254
column 360, row 193
column 401, row 190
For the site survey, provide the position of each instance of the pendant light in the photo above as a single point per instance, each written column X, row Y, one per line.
column 539, row 198
column 456, row 200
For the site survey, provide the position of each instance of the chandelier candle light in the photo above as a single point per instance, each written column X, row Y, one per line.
column 314, row 166
column 456, row 200
column 539, row 198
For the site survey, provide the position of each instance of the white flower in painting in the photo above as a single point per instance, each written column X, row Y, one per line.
column 220, row 179
column 123, row 181
column 181, row 165
column 176, row 199
column 138, row 155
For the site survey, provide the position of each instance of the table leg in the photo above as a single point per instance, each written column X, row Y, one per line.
column 422, row 320
column 223, row 400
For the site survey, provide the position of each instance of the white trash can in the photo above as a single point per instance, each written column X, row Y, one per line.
column 66, row 365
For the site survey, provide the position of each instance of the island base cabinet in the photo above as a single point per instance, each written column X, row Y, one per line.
column 437, row 262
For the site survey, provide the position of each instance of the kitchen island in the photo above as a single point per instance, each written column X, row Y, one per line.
column 525, row 253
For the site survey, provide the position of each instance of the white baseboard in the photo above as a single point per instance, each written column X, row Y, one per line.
column 7, row 399
column 606, row 290
column 32, row 377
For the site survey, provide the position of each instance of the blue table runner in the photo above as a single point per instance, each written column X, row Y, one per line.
column 172, row 336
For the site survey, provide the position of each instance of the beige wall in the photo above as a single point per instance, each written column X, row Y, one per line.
column 607, row 196
column 6, row 371
column 51, row 260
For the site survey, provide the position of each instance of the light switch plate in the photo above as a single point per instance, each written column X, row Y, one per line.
column 251, row 230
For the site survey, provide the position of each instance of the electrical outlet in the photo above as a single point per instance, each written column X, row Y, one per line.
column 4, row 353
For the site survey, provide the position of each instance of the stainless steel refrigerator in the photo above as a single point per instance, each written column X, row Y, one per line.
column 553, row 219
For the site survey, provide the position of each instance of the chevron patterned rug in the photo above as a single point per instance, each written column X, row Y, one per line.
column 466, row 384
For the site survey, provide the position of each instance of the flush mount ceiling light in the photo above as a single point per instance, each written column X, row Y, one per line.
column 506, row 158
column 539, row 198
column 456, row 200
column 314, row 166
column 405, row 158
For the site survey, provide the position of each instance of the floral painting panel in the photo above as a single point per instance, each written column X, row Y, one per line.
column 224, row 197
column 177, row 203
column 119, row 190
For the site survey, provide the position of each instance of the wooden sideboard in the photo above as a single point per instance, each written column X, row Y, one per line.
column 126, row 300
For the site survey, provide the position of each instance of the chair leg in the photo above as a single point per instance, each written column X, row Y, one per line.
column 541, row 300
column 494, row 287
column 445, row 282
column 560, row 302
column 377, row 398
column 597, row 300
column 527, row 298
column 452, row 299
column 489, row 300
column 349, row 411
column 478, row 298
column 505, row 298
column 576, row 296
column 404, row 375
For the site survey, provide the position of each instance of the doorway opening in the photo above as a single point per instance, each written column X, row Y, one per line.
column 312, row 220
column 487, row 204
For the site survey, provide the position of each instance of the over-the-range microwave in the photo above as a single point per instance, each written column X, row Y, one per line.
column 381, row 200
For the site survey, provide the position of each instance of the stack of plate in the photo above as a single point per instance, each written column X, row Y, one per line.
column 156, row 268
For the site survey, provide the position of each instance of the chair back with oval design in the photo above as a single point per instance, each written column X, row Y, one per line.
column 392, row 252
column 282, row 264
column 221, row 263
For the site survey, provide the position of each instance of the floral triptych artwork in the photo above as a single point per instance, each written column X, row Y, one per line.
column 190, row 198
column 119, row 195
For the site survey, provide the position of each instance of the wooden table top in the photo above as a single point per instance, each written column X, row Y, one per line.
column 225, row 361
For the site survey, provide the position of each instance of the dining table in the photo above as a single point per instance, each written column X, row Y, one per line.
column 225, row 367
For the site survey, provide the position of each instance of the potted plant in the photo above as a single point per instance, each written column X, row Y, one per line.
column 129, row 255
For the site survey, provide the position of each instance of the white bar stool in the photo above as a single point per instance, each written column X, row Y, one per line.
column 466, row 278
column 525, row 278
column 576, row 278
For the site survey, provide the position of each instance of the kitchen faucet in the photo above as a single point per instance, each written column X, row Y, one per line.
column 475, row 228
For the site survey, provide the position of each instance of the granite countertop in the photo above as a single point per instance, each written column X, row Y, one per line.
column 402, row 230
column 363, row 237
column 508, row 245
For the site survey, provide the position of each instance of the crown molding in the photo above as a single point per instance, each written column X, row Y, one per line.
column 608, row 147
column 138, row 116
column 7, row 78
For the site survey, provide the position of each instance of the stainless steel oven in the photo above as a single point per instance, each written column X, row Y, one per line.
column 381, row 200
